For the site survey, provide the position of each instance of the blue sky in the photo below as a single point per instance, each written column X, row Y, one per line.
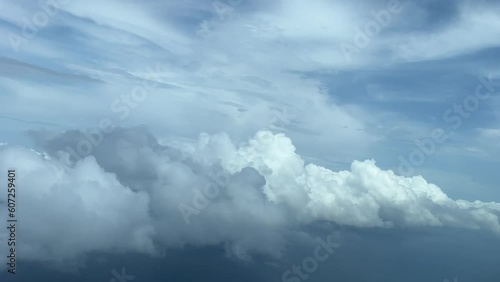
column 239, row 67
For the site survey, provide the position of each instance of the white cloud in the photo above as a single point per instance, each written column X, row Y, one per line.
column 127, row 197
column 134, row 18
column 64, row 213
column 475, row 29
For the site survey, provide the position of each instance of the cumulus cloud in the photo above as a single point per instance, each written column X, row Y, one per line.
column 65, row 212
column 126, row 197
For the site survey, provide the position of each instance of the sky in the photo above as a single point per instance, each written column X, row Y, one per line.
column 254, row 140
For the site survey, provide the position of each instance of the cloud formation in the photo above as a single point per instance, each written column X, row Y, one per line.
column 261, row 64
column 126, row 197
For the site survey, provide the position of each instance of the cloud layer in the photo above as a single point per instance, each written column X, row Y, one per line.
column 250, row 197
